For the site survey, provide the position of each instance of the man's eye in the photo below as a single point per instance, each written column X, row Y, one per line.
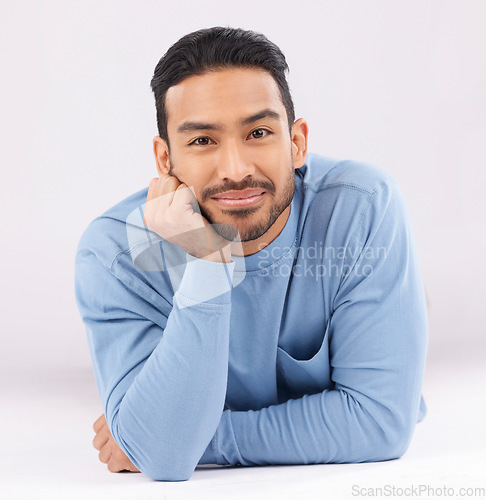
column 259, row 132
column 197, row 143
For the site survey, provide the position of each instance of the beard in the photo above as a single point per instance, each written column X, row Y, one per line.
column 249, row 231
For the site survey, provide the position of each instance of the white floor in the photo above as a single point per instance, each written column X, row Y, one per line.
column 47, row 453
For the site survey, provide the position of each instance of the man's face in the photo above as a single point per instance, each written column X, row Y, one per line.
column 218, row 144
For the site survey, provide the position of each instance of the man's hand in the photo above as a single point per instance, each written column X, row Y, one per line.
column 110, row 453
column 172, row 211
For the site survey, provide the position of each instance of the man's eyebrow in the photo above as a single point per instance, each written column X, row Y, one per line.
column 266, row 113
column 190, row 126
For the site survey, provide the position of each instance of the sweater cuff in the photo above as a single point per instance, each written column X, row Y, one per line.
column 205, row 281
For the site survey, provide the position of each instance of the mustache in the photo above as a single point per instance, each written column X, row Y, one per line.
column 239, row 187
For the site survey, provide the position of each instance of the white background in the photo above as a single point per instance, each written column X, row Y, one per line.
column 401, row 84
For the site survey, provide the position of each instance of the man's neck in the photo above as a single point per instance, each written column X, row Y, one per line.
column 254, row 246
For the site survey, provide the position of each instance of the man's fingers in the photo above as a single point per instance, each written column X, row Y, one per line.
column 119, row 461
column 164, row 185
column 113, row 466
column 183, row 195
column 151, row 203
column 105, row 453
column 101, row 438
column 132, row 467
column 159, row 196
column 151, row 188
column 168, row 187
column 100, row 422
column 109, row 451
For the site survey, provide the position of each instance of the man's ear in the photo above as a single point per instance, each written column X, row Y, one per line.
column 300, row 132
column 161, row 153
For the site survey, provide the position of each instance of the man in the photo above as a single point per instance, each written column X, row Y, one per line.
column 265, row 304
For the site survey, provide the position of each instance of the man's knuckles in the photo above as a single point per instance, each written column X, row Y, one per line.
column 96, row 442
column 98, row 424
column 118, row 455
column 112, row 467
column 100, row 440
column 105, row 454
column 118, row 461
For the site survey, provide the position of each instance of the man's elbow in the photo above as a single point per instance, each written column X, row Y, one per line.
column 394, row 447
column 157, row 465
column 392, row 443
column 174, row 462
column 161, row 469
column 164, row 474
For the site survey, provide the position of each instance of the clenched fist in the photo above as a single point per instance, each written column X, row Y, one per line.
column 172, row 211
column 109, row 452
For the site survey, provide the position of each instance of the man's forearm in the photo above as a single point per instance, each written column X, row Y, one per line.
column 329, row 427
column 161, row 375
column 170, row 412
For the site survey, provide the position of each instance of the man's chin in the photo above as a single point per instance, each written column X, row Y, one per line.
column 241, row 231
column 226, row 231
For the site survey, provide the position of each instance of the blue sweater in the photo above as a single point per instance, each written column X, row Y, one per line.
column 311, row 350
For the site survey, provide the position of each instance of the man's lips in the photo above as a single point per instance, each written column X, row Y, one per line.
column 238, row 195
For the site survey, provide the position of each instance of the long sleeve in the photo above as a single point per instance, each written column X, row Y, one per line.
column 162, row 378
column 377, row 338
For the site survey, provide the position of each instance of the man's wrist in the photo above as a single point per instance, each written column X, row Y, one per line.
column 205, row 281
column 223, row 255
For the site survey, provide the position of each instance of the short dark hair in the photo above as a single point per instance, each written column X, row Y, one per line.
column 218, row 48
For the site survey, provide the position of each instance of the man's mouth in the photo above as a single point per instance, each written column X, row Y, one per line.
column 239, row 198
column 239, row 195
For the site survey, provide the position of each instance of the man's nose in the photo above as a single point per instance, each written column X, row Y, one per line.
column 233, row 164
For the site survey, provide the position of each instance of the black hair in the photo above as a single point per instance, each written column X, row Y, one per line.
column 218, row 48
